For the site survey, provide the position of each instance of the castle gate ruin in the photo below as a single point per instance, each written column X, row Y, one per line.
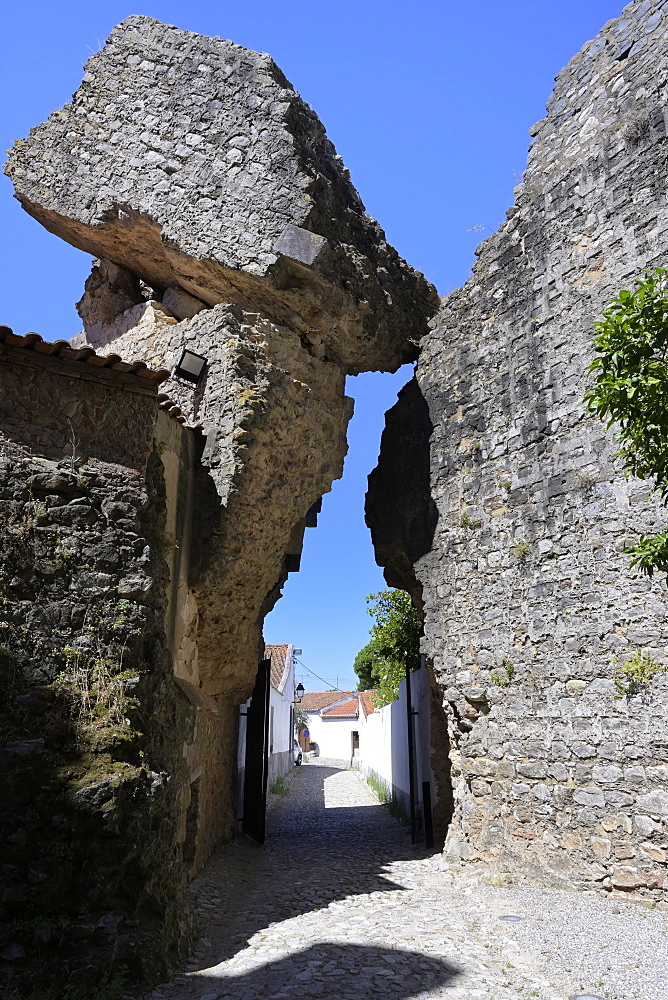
column 151, row 522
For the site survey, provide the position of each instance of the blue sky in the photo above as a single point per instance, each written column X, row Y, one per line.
column 428, row 102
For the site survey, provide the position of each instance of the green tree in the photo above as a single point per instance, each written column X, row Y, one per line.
column 366, row 664
column 301, row 719
column 395, row 644
column 631, row 372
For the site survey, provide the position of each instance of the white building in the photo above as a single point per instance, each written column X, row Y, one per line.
column 384, row 752
column 335, row 722
column 281, row 709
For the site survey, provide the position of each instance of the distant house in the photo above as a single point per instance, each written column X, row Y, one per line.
column 335, row 721
column 281, row 709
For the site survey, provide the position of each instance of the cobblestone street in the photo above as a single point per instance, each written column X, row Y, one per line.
column 339, row 904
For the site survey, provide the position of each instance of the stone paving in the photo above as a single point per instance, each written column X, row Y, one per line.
column 339, row 904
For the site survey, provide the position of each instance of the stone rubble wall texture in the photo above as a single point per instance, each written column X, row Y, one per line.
column 193, row 163
column 551, row 771
column 92, row 726
column 274, row 418
column 224, row 222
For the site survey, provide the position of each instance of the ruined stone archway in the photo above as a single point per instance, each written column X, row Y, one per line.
column 229, row 226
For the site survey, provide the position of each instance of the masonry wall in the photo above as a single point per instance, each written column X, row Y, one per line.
column 528, row 596
column 92, row 725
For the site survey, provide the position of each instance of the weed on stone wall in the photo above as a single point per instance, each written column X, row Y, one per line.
column 95, row 683
column 634, row 675
column 521, row 550
column 502, row 678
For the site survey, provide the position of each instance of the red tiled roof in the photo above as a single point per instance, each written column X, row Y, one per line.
column 83, row 355
column 349, row 709
column 313, row 701
column 279, row 664
column 111, row 363
column 366, row 703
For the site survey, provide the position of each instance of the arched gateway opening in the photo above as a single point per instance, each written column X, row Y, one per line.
column 158, row 473
column 192, row 429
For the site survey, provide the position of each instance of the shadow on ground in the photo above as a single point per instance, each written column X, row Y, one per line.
column 313, row 856
column 346, row 972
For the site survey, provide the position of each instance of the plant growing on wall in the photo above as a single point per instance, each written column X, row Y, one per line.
column 395, row 644
column 631, row 376
column 521, row 550
column 632, row 676
column 503, row 678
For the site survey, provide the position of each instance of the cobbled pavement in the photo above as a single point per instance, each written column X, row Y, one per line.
column 339, row 904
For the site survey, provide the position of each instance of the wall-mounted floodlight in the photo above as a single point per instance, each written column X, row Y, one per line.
column 299, row 692
column 190, row 366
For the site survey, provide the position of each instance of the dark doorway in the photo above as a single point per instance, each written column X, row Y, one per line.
column 257, row 756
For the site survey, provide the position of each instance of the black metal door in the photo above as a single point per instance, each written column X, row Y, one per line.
column 257, row 756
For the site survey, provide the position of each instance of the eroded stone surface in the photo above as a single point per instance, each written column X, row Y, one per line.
column 92, row 726
column 527, row 593
column 192, row 162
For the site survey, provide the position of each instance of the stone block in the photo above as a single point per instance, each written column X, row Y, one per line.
column 626, row 877
column 300, row 244
column 654, row 853
column 645, row 826
column 589, row 797
column 623, row 849
column 237, row 196
column 606, row 773
column 616, row 798
column 181, row 304
column 600, row 847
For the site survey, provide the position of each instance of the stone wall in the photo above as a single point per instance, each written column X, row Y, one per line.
column 274, row 420
column 92, row 725
column 225, row 223
column 527, row 593
column 193, row 163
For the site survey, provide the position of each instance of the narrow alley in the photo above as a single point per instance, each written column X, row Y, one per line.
column 339, row 904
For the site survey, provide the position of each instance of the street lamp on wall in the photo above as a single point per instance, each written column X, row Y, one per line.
column 190, row 366
column 299, row 692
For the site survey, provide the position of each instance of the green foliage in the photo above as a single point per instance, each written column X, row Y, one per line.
column 95, row 681
column 279, row 786
column 393, row 804
column 631, row 376
column 632, row 676
column 503, row 679
column 395, row 644
column 367, row 663
column 301, row 720
column 521, row 550
column 468, row 522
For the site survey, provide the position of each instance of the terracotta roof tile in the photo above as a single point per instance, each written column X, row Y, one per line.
column 366, row 703
column 279, row 664
column 83, row 355
column 313, row 701
column 349, row 709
